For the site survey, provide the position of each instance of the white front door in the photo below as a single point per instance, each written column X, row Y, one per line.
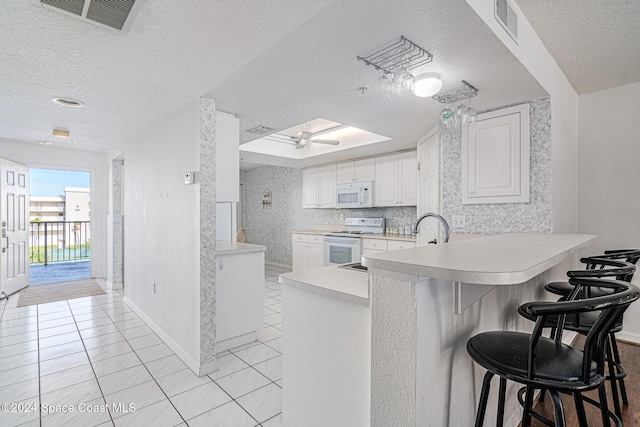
column 429, row 188
column 14, row 207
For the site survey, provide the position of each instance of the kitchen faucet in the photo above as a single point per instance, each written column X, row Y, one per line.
column 415, row 230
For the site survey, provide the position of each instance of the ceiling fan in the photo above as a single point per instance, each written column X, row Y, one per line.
column 303, row 138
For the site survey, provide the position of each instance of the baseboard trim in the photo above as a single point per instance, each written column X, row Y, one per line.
column 277, row 264
column 197, row 368
column 628, row 337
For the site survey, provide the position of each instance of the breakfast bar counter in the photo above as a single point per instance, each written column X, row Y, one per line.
column 428, row 301
column 388, row 347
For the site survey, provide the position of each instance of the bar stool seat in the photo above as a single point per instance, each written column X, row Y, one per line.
column 557, row 363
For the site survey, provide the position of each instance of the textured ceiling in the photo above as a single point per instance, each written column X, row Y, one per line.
column 596, row 43
column 175, row 51
column 314, row 72
column 277, row 63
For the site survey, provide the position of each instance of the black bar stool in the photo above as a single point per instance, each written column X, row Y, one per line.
column 563, row 289
column 545, row 363
column 602, row 266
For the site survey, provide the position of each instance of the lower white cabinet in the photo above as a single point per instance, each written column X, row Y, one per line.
column 381, row 245
column 306, row 251
column 239, row 298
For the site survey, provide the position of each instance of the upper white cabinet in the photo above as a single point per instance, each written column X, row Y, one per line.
column 357, row 171
column 495, row 157
column 227, row 157
column 319, row 187
column 396, row 179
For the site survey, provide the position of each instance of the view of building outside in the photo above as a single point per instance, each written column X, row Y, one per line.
column 60, row 228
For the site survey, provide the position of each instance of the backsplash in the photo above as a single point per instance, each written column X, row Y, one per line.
column 534, row 216
column 272, row 226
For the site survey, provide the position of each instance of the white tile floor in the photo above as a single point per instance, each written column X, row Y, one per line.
column 95, row 353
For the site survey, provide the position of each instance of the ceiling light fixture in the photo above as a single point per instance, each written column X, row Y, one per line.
column 68, row 102
column 61, row 133
column 427, row 84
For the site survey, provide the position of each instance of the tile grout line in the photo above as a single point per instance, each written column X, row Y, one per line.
column 152, row 377
column 95, row 376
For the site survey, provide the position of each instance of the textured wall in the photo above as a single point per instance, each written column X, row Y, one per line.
column 117, row 223
column 207, row 185
column 272, row 226
column 162, row 222
column 610, row 177
column 534, row 216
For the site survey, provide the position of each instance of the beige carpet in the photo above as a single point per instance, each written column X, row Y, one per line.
column 41, row 294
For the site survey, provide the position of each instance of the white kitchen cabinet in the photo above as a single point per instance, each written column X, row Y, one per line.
column 306, row 251
column 374, row 244
column 239, row 298
column 382, row 245
column 319, row 187
column 227, row 158
column 495, row 157
column 396, row 179
column 357, row 171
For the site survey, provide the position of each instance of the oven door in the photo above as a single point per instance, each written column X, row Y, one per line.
column 341, row 250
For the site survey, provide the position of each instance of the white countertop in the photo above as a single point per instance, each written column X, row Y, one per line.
column 503, row 259
column 224, row 247
column 347, row 285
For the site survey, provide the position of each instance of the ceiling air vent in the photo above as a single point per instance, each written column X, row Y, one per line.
column 112, row 14
column 261, row 129
column 506, row 16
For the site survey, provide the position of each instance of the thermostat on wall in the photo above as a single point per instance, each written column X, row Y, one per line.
column 190, row 178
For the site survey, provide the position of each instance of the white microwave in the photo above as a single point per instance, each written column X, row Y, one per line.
column 354, row 195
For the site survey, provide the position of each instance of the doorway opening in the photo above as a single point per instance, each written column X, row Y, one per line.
column 60, row 226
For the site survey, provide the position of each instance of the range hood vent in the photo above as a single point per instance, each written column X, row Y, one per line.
column 507, row 17
column 112, row 14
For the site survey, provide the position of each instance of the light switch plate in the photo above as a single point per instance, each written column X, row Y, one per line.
column 189, row 177
column 458, row 221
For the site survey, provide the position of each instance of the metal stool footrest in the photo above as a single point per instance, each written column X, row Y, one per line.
column 547, row 421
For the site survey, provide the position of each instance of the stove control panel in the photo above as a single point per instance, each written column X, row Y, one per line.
column 368, row 222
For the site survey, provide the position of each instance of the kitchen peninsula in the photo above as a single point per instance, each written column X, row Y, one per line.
column 424, row 304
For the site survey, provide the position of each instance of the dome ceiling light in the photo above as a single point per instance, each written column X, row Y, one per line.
column 68, row 102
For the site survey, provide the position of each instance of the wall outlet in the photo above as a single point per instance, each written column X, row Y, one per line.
column 341, row 217
column 458, row 221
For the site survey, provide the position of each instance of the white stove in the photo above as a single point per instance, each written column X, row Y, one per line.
column 342, row 247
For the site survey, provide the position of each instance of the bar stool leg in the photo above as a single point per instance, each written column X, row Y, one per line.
column 528, row 404
column 616, row 357
column 501, row 398
column 558, row 410
column 484, row 396
column 612, row 380
column 582, row 417
column 604, row 408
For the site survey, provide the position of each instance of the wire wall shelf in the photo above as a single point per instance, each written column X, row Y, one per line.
column 402, row 53
column 467, row 91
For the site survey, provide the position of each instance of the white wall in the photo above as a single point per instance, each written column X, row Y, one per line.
column 609, row 166
column 50, row 157
column 564, row 112
column 162, row 228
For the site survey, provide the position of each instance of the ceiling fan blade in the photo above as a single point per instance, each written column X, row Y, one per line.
column 325, row 141
column 299, row 146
